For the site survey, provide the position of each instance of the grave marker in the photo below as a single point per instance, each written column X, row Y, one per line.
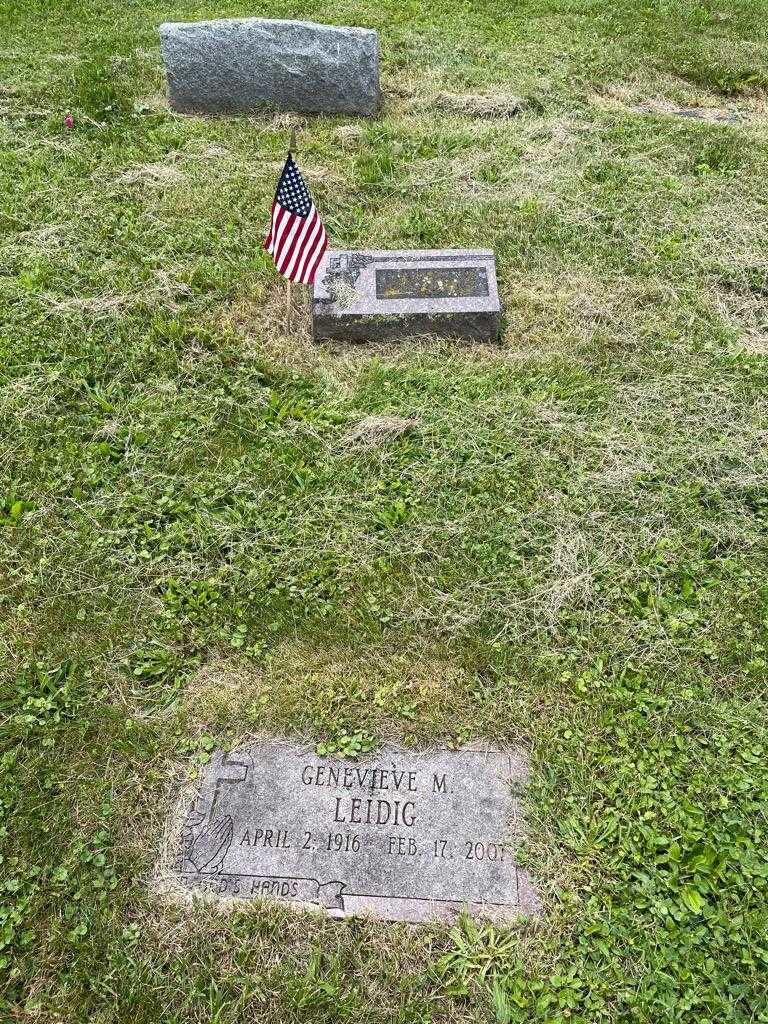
column 234, row 65
column 401, row 836
column 378, row 295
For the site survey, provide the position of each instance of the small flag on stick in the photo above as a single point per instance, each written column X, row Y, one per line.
column 296, row 239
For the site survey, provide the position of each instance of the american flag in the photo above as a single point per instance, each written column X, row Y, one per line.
column 296, row 239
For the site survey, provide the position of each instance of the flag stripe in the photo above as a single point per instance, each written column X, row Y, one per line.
column 309, row 248
column 310, row 277
column 282, row 257
column 290, row 246
column 320, row 245
column 282, row 226
column 300, row 243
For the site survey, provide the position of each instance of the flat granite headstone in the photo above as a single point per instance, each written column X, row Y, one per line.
column 243, row 64
column 699, row 114
column 707, row 114
column 403, row 836
column 379, row 295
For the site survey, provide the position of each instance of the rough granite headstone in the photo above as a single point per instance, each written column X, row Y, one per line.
column 403, row 836
column 243, row 64
column 376, row 295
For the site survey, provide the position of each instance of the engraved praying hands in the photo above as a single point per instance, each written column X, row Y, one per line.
column 210, row 847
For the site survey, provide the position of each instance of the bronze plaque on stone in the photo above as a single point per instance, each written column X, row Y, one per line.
column 448, row 283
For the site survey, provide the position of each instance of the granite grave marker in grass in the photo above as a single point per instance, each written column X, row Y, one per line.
column 233, row 65
column 400, row 835
column 381, row 295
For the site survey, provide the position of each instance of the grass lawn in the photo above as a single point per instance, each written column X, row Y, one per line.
column 567, row 551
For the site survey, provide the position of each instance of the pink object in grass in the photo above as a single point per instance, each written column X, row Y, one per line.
column 69, row 121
